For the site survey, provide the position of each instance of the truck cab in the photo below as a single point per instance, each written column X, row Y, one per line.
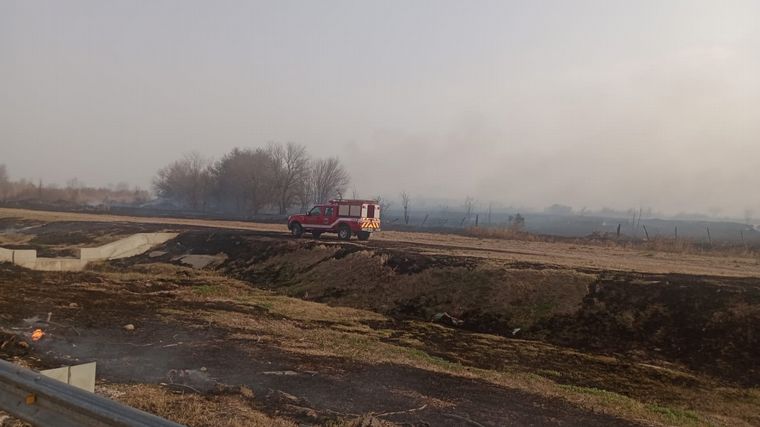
column 346, row 217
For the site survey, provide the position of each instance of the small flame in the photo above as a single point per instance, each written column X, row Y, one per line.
column 37, row 334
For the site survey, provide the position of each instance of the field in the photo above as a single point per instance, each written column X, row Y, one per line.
column 239, row 324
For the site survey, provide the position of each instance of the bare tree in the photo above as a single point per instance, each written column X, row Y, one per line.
column 291, row 172
column 384, row 203
column 469, row 205
column 517, row 222
column 405, row 199
column 186, row 180
column 328, row 179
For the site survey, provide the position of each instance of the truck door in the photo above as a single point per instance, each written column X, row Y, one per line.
column 314, row 217
column 330, row 215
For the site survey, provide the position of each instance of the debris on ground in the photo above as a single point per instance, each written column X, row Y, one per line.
column 447, row 319
column 369, row 421
column 195, row 380
column 129, row 327
column 12, row 345
column 286, row 373
column 31, row 321
column 203, row 261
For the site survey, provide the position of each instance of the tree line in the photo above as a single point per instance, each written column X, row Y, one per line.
column 252, row 180
column 73, row 193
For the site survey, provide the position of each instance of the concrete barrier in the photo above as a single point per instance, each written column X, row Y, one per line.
column 6, row 255
column 127, row 247
column 25, row 257
column 123, row 248
column 58, row 264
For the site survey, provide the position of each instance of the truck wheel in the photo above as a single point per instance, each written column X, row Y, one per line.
column 344, row 233
column 296, row 229
column 316, row 234
column 363, row 235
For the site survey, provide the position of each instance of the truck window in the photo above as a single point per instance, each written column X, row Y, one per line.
column 343, row 210
column 370, row 211
column 356, row 210
column 315, row 211
column 329, row 212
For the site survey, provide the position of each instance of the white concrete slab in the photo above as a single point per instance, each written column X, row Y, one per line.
column 58, row 374
column 80, row 376
column 83, row 376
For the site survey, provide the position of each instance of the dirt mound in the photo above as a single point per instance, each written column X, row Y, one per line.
column 709, row 324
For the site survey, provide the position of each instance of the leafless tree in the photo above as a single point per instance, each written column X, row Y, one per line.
column 517, row 222
column 186, row 180
column 328, row 179
column 291, row 173
column 405, row 199
column 384, row 203
column 469, row 205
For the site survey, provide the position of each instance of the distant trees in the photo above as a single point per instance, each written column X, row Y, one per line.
column 186, row 180
column 244, row 180
column 276, row 177
column 4, row 183
column 74, row 192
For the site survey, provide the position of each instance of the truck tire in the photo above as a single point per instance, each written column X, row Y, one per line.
column 363, row 235
column 344, row 232
column 316, row 234
column 296, row 229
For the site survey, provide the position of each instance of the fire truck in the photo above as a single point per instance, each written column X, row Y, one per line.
column 346, row 217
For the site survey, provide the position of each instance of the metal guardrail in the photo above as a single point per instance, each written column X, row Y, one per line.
column 45, row 402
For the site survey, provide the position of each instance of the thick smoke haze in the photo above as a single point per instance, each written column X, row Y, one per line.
column 586, row 103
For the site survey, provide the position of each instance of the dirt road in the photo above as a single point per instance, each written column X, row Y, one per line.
column 566, row 255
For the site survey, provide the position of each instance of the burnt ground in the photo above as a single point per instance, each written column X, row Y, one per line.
column 706, row 323
column 536, row 344
column 332, row 387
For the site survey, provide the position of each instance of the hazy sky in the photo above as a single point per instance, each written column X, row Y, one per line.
column 587, row 103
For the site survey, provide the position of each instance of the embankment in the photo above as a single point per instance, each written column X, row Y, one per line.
column 710, row 324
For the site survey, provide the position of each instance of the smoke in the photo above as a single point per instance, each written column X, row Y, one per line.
column 587, row 104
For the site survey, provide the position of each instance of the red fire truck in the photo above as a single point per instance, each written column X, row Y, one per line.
column 344, row 216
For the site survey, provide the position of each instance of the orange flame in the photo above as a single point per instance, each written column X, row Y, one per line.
column 37, row 334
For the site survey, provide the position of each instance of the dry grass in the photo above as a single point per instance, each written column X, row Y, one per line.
column 657, row 243
column 318, row 330
column 192, row 409
column 504, row 233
